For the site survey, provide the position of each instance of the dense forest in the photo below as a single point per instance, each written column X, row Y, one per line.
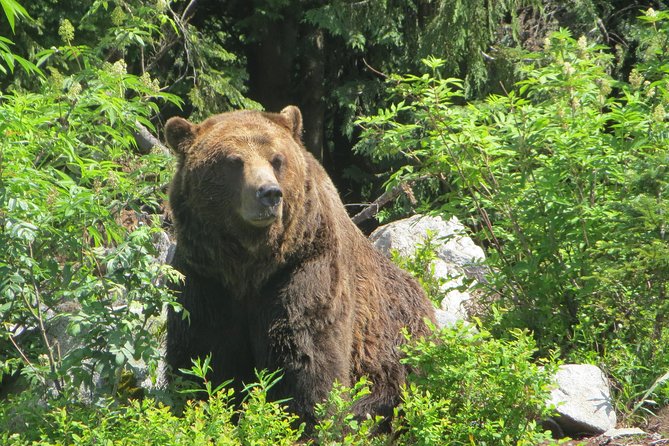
column 540, row 124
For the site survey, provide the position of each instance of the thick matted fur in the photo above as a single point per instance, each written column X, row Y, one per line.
column 276, row 274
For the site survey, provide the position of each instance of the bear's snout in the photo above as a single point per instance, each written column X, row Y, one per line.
column 269, row 195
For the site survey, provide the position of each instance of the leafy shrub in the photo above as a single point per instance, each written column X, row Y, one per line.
column 473, row 389
column 469, row 389
column 148, row 422
column 336, row 423
column 422, row 267
column 563, row 180
column 137, row 422
column 264, row 422
column 70, row 180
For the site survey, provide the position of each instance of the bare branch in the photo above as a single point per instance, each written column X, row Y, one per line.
column 25, row 359
column 374, row 207
column 146, row 140
column 188, row 11
column 374, row 70
column 37, row 314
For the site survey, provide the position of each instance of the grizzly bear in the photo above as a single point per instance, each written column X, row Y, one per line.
column 277, row 276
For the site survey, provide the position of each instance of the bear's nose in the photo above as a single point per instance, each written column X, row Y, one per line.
column 269, row 195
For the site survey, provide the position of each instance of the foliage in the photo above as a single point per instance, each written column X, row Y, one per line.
column 336, row 423
column 151, row 37
column 421, row 265
column 260, row 422
column 137, row 422
column 70, row 262
column 264, row 422
column 219, row 82
column 563, row 179
column 13, row 10
column 473, row 389
column 460, row 32
column 469, row 389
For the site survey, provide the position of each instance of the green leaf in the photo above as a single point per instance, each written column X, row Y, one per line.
column 12, row 10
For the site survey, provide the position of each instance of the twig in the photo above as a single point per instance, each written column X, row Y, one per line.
column 602, row 29
column 188, row 11
column 373, row 208
column 180, row 21
column 487, row 56
column 40, row 320
column 374, row 70
column 25, row 358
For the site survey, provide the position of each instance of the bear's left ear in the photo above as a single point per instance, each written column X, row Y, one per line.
column 293, row 116
column 179, row 134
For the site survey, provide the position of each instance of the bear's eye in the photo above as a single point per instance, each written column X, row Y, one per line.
column 278, row 161
column 233, row 159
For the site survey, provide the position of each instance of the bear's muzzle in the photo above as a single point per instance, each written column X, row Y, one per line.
column 269, row 195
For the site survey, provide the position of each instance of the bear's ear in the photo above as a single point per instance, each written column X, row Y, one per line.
column 293, row 116
column 179, row 134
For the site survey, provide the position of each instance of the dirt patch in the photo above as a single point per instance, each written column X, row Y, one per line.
column 656, row 428
column 659, row 424
column 635, row 440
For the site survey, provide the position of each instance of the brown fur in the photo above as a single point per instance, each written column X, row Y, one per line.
column 301, row 289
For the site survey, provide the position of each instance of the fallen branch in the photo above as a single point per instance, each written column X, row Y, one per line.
column 146, row 141
column 374, row 207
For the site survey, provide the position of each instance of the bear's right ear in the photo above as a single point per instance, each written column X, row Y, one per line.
column 179, row 134
column 293, row 116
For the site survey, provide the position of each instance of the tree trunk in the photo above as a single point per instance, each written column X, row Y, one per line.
column 271, row 62
column 312, row 92
column 285, row 71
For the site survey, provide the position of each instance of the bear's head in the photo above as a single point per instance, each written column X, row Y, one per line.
column 243, row 169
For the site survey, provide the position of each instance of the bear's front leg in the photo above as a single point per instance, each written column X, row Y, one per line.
column 311, row 363
column 215, row 326
column 305, row 329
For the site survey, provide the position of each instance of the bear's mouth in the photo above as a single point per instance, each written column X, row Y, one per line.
column 262, row 222
column 265, row 217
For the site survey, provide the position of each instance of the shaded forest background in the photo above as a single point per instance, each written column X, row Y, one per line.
column 333, row 59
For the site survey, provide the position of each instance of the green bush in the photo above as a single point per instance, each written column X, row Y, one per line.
column 137, row 422
column 70, row 177
column 563, row 181
column 473, row 389
column 468, row 389
column 148, row 422
column 422, row 267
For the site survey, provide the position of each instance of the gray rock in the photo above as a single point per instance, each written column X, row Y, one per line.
column 165, row 247
column 625, row 432
column 454, row 246
column 445, row 318
column 96, row 388
column 57, row 322
column 458, row 258
column 583, row 400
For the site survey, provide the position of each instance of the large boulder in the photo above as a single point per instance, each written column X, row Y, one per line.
column 458, row 258
column 583, row 400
